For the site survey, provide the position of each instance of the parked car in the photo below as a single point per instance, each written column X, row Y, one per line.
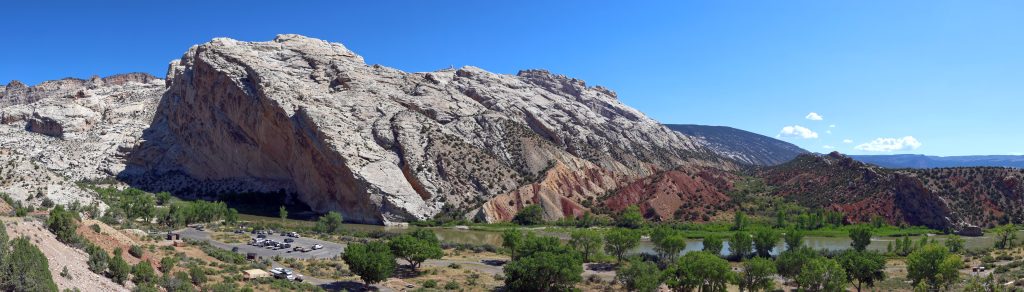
column 289, row 240
column 234, row 249
column 286, row 245
column 317, row 246
column 261, row 236
column 293, row 234
column 299, row 248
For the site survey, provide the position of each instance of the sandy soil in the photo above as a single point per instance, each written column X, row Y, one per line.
column 60, row 256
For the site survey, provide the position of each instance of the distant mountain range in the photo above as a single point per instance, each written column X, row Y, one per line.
column 925, row 161
column 743, row 146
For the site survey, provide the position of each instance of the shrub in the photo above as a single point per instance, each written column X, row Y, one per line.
column 531, row 215
column 430, row 284
column 119, row 269
column 544, row 271
column 135, row 251
column 63, row 224
column 451, row 285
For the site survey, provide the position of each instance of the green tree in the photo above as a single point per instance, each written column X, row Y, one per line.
column 821, row 274
column 587, row 242
column 780, row 219
column 630, row 218
column 740, row 221
column 329, row 223
column 533, row 243
column 415, row 250
column 668, row 243
column 544, row 271
column 757, row 275
column 740, row 244
column 934, row 265
column 1005, row 236
column 372, row 262
column 282, row 212
column 639, row 276
column 531, row 215
column 63, row 224
column 618, row 241
column 137, row 204
column 863, row 267
column 794, row 238
column 143, row 273
column 790, row 263
column 713, row 244
column 119, row 269
column 700, row 271
column 512, row 239
column 765, row 240
column 25, row 268
column 860, row 237
column 955, row 243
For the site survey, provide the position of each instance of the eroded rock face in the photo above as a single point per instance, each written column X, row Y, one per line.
column 310, row 118
column 61, row 132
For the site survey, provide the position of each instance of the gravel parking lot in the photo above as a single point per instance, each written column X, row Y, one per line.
column 330, row 249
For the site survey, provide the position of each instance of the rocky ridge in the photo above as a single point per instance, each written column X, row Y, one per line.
column 60, row 132
column 309, row 118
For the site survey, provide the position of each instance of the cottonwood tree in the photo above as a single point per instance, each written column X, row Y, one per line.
column 821, row 274
column 933, row 265
column 713, row 244
column 740, row 245
column 372, row 262
column 700, row 271
column 417, row 247
column 860, row 237
column 587, row 242
column 543, row 264
column 619, row 241
column 639, row 276
column 757, row 275
column 765, row 240
column 863, row 267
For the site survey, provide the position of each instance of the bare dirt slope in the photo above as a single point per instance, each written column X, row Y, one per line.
column 60, row 256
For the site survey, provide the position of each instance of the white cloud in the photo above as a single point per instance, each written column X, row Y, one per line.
column 890, row 144
column 832, row 126
column 814, row 116
column 828, row 147
column 847, row 141
column 828, row 132
column 796, row 131
column 1016, row 153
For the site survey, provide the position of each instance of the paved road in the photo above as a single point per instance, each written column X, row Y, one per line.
column 330, row 249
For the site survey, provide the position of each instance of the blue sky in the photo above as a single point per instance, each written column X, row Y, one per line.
column 948, row 74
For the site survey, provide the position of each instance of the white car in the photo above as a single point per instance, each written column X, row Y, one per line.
column 317, row 246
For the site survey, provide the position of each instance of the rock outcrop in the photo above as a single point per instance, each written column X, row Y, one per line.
column 310, row 118
column 57, row 133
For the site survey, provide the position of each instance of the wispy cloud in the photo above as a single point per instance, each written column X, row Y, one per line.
column 814, row 116
column 828, row 147
column 796, row 131
column 890, row 144
column 832, row 126
column 847, row 141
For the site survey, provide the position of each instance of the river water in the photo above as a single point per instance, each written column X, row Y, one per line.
column 463, row 235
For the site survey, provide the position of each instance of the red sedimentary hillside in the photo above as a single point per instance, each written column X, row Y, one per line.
column 983, row 196
column 859, row 190
column 682, row 194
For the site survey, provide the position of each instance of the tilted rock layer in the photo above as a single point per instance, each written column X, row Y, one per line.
column 310, row 118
